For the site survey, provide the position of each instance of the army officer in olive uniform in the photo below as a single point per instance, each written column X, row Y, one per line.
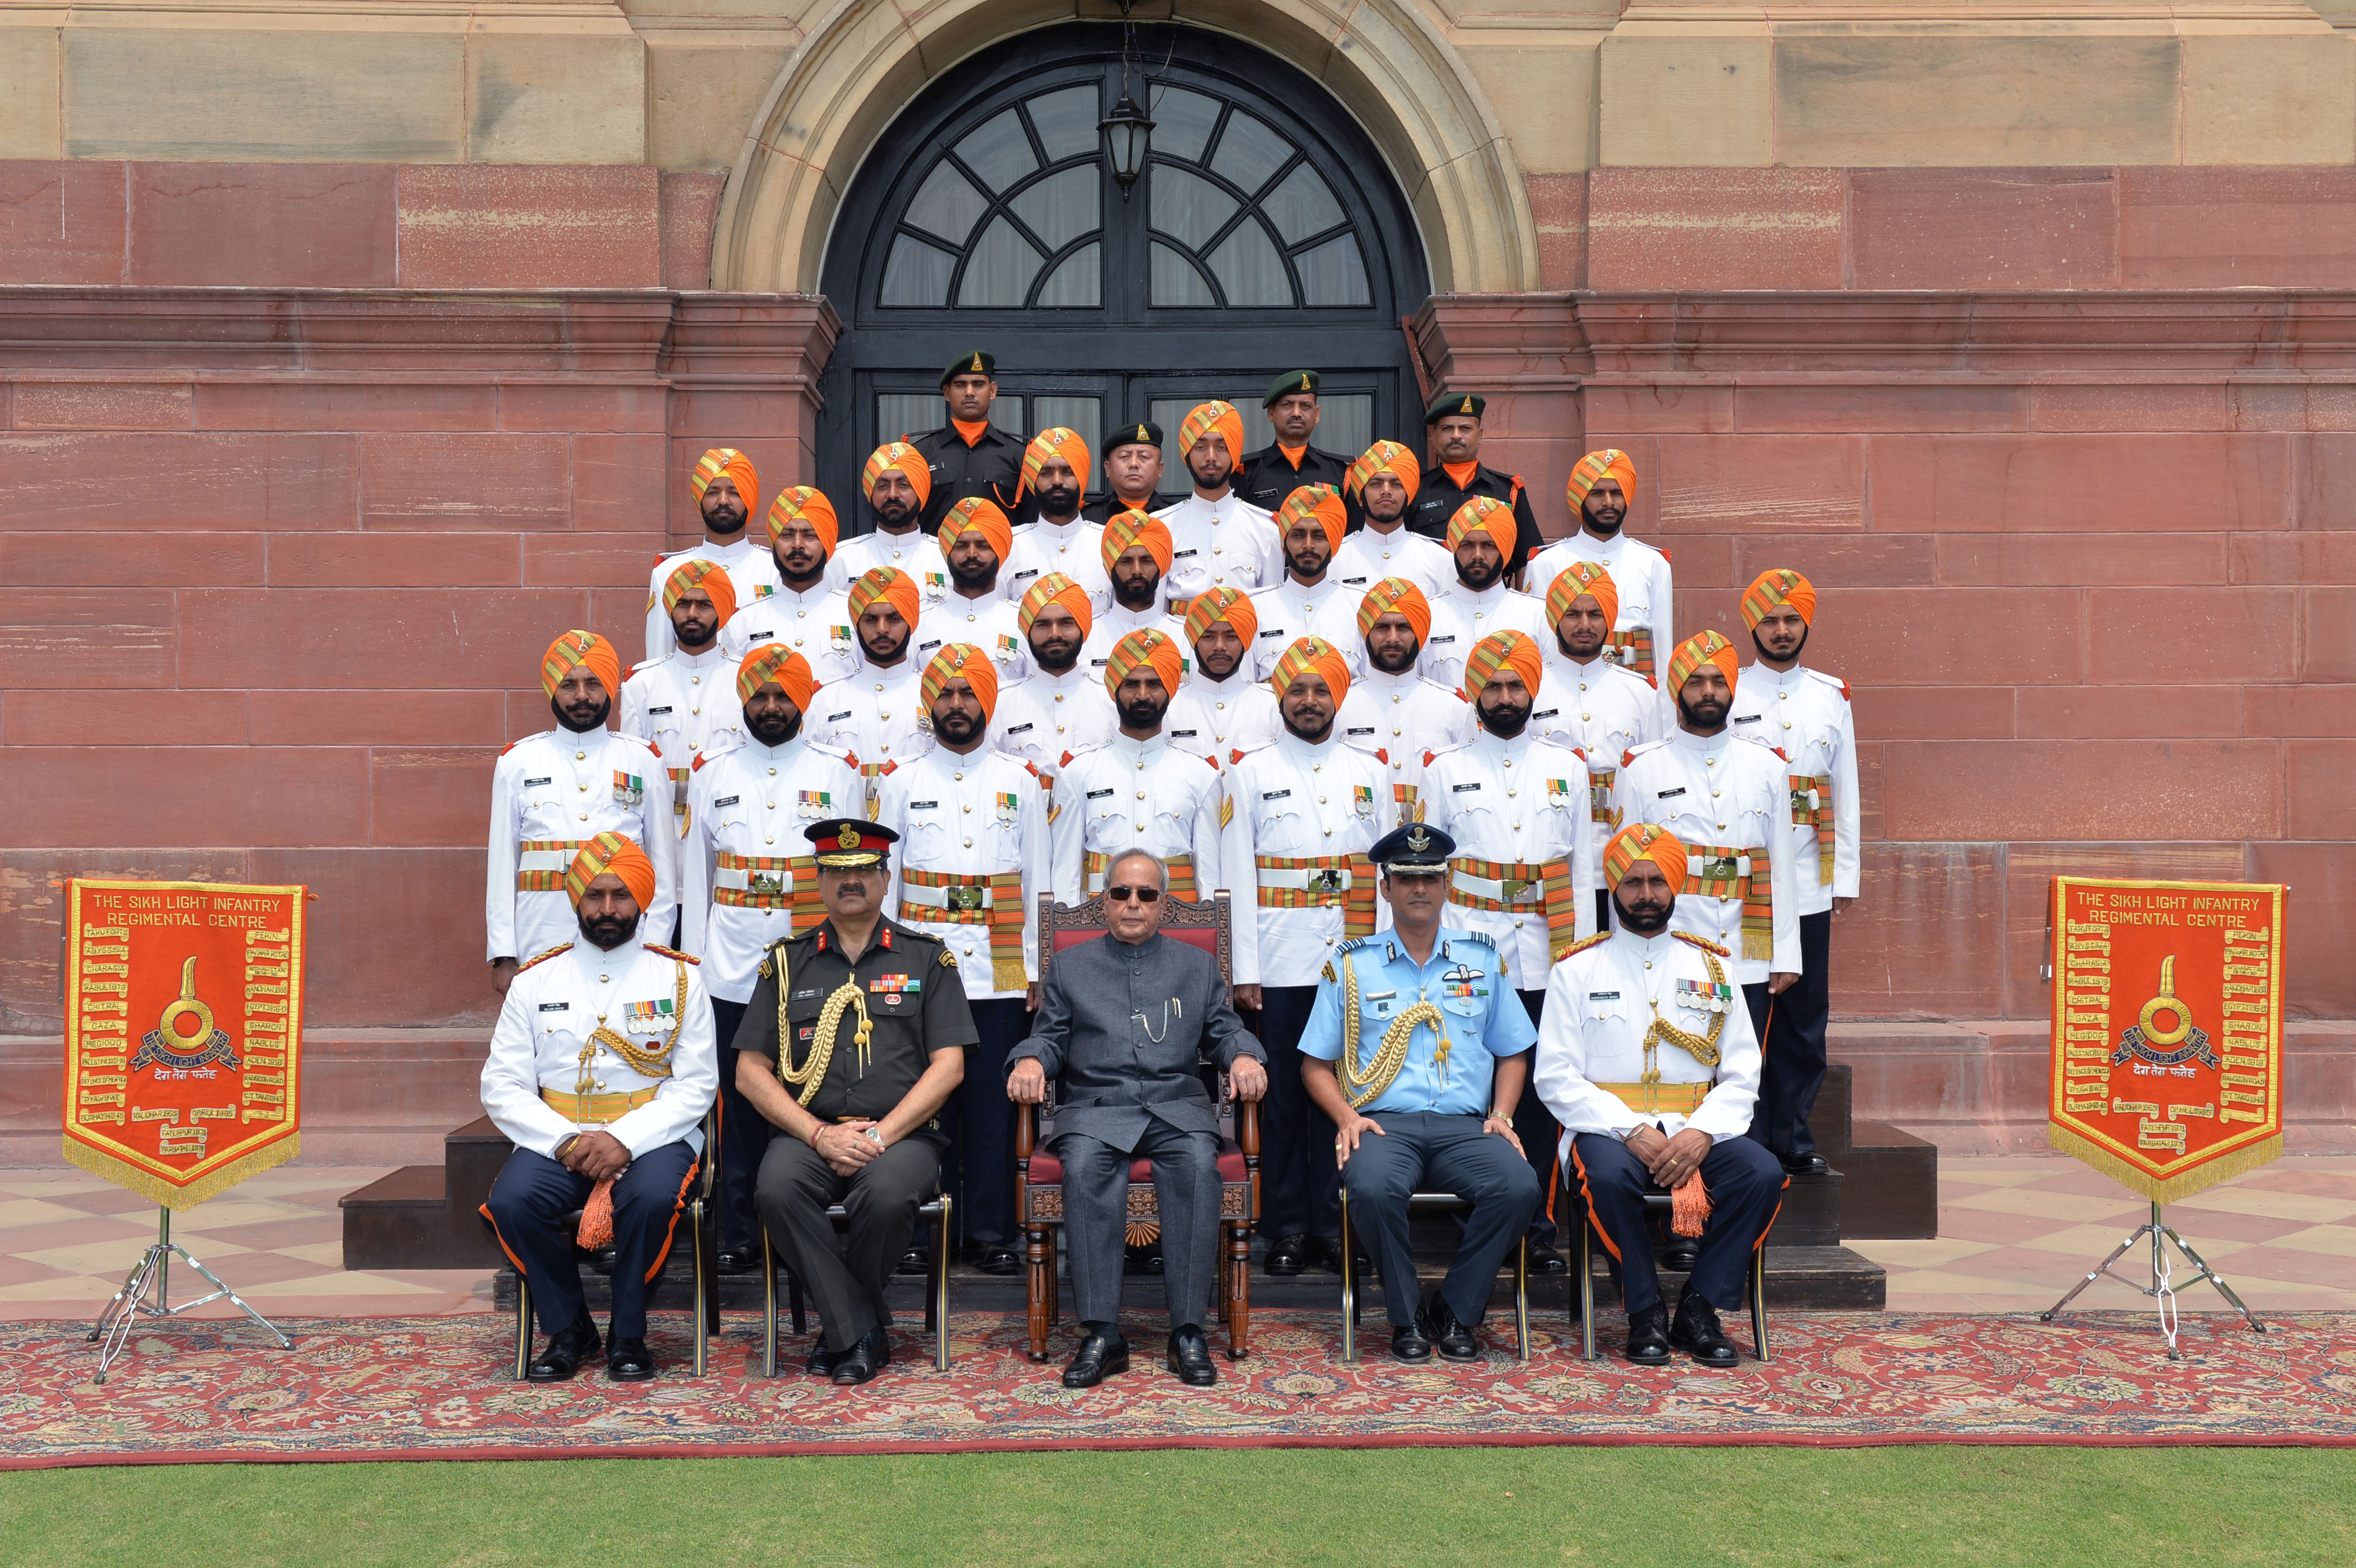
column 860, row 1118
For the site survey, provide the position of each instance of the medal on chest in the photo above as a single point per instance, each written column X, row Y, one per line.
column 1704, row 997
column 1008, row 808
column 1362, row 798
column 629, row 789
column 815, row 804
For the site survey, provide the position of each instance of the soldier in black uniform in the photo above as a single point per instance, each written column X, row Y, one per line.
column 969, row 455
column 860, row 1114
column 1132, row 472
column 1276, row 471
column 1456, row 475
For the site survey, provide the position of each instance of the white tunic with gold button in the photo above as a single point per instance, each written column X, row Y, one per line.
column 1805, row 714
column 1216, row 719
column 916, row 552
column 1459, row 620
column 746, row 811
column 1604, row 711
column 1049, row 717
column 876, row 713
column 980, row 815
column 1289, row 611
column 989, row 623
column 1522, row 802
column 1291, row 800
column 1075, row 549
column 1370, row 555
column 1599, row 1005
column 816, row 625
column 553, row 793
column 683, row 704
column 1405, row 717
column 752, row 572
column 1142, row 795
column 1225, row 543
column 1715, row 791
column 1640, row 575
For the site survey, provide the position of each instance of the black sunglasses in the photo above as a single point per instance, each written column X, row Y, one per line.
column 1142, row 895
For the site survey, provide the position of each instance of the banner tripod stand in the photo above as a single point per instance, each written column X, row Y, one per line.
column 2160, row 1289
column 152, row 1275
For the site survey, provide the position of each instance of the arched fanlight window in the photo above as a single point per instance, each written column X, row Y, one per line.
column 1240, row 217
column 1011, row 216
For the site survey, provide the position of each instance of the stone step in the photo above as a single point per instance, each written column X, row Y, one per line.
column 1894, row 1188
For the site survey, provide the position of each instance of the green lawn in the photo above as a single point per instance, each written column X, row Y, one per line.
column 1673, row 1508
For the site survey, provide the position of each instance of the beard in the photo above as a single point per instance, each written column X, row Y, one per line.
column 974, row 577
column 1707, row 714
column 1306, row 567
column 1797, row 650
column 957, row 727
column 1649, row 922
column 1145, row 713
column 1506, row 720
column 1058, row 501
column 1135, row 593
column 1479, row 576
column 1064, row 657
column 894, row 516
column 583, row 721
column 1314, row 736
column 607, row 931
column 772, row 729
column 725, row 518
column 882, row 652
column 1397, row 661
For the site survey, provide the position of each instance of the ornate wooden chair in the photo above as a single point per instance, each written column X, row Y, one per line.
column 1039, row 1190
column 1354, row 1296
column 936, row 1287
column 1657, row 1205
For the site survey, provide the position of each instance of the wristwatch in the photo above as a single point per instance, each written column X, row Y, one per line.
column 1501, row 1117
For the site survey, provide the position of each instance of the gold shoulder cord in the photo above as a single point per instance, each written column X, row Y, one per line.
column 1702, row 1047
column 1362, row 1088
column 812, row 1072
column 653, row 1063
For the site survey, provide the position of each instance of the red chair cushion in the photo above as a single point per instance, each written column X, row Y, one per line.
column 1203, row 936
column 1046, row 1170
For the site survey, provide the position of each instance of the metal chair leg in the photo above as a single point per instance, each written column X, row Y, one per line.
column 940, row 1305
column 1522, row 1296
column 768, row 1306
column 523, row 1325
column 1759, row 1301
column 1349, row 1287
column 794, row 1298
column 703, row 1285
column 1586, row 1287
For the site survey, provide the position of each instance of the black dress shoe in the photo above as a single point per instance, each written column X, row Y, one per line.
column 1100, row 1356
column 1325, row 1251
column 565, row 1353
column 916, row 1260
column 603, row 1259
column 1680, row 1255
column 1408, row 1344
column 1142, row 1260
column 823, row 1361
column 630, row 1361
column 1189, row 1358
column 1286, row 1255
column 1648, row 1336
column 1696, row 1331
column 740, row 1259
column 864, row 1359
column 1000, row 1260
column 1546, row 1259
column 1454, row 1341
column 1805, row 1165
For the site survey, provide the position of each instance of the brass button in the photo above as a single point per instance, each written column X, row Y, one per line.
column 695, row 680
column 968, row 810
column 585, row 816
column 968, row 843
column 768, row 840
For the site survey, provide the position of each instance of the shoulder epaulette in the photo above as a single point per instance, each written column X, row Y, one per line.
column 1640, row 749
column 1781, row 753
column 1480, row 937
column 1704, row 942
column 647, row 663
column 697, row 766
column 1663, row 550
column 1326, row 974
column 671, row 953
column 889, row 768
column 1584, row 942
column 544, row 957
column 1833, row 680
column 1381, row 754
column 510, row 746
column 1356, row 942
column 1214, row 761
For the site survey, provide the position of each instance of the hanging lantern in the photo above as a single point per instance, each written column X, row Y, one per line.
column 1128, row 136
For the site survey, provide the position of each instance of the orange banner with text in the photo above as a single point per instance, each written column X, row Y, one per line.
column 2168, row 1030
column 184, row 1033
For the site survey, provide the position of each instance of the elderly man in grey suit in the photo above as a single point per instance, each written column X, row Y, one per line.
column 1123, row 1024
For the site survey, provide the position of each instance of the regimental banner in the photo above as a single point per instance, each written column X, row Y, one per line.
column 184, row 1033
column 2168, row 1030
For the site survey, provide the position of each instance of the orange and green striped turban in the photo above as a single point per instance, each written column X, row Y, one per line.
column 1213, row 606
column 1596, row 467
column 1643, row 841
column 775, row 661
column 1484, row 512
column 1056, row 441
column 702, row 573
column 894, row 587
column 1054, row 588
column 1319, row 503
column 1583, row 579
column 1142, row 648
column 1780, row 585
column 1132, row 527
column 807, row 501
column 1395, row 594
column 1213, row 417
column 734, row 465
column 1311, row 656
column 957, row 659
column 582, row 648
column 1503, row 650
column 616, row 853
column 1385, row 457
column 1701, row 648
column 978, row 514
column 897, row 455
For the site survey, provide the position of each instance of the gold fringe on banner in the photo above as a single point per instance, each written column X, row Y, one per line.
column 124, row 1174
column 2206, row 1174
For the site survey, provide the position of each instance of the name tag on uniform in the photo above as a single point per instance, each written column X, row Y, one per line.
column 1354, row 582
column 924, row 805
column 1380, row 995
column 1019, row 729
column 652, row 711
column 757, row 637
column 1367, row 731
column 1432, row 641
column 1276, row 794
column 1099, row 794
column 838, row 718
column 1460, row 789
column 929, row 647
column 1602, row 995
column 726, row 800
column 1277, row 632
column 1672, row 793
column 1180, row 554
column 535, row 784
column 1747, row 717
column 1020, row 575
column 800, row 995
column 1183, row 734
column 556, row 1007
column 1548, row 713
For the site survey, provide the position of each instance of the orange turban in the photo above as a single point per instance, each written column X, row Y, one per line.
column 1579, row 579
column 898, row 455
column 1054, row 589
column 894, row 587
column 616, row 853
column 1133, row 527
column 579, row 648
column 1509, row 650
column 961, row 660
column 1144, row 646
column 978, row 514
column 1321, row 501
column 1213, row 418
column 1482, row 512
column 1395, row 594
column 705, row 574
column 1311, row 656
column 1213, row 606
column 1057, row 441
column 775, row 661
column 1781, row 585
column 1385, row 457
column 1643, row 841
column 1703, row 647
column 805, row 501
column 1596, row 467
column 732, row 463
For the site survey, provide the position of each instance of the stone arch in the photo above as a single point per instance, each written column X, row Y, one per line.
column 862, row 63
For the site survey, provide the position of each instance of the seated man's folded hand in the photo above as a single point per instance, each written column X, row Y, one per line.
column 599, row 1156
column 1027, row 1085
column 1247, row 1080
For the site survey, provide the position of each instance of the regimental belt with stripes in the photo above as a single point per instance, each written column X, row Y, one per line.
column 1635, row 646
column 599, row 1109
column 1346, row 882
column 765, row 882
column 944, row 898
column 679, row 794
column 1598, row 796
column 1658, row 1099
column 1182, row 875
column 1729, row 871
column 1511, row 887
column 541, row 863
column 1812, row 807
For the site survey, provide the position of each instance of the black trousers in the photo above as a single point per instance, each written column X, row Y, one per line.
column 1300, row 1188
column 1792, row 1039
column 1096, row 1218
column 1447, row 1154
column 794, row 1191
column 1540, row 1132
column 528, row 1206
column 1746, row 1190
column 979, row 1168
column 1602, row 908
column 745, row 1135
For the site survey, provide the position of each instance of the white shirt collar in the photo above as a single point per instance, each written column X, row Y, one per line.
column 1704, row 743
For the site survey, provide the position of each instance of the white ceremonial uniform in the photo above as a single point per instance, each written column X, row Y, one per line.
column 683, row 704
column 876, row 713
column 1318, row 805
column 1805, row 714
column 1142, row 795
column 1225, row 543
column 1216, row 719
column 916, row 552
column 747, row 868
column 1461, row 619
column 1289, row 611
column 1640, row 575
column 1405, row 717
column 550, row 794
column 1606, row 712
column 752, row 572
column 1048, row 718
column 816, row 625
column 1715, row 792
column 1370, row 555
column 551, row 1010
column 1109, row 628
column 1599, row 1004
column 989, row 623
column 1521, row 807
column 1075, row 549
column 974, row 828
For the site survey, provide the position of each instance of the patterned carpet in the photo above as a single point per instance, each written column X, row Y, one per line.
column 438, row 1387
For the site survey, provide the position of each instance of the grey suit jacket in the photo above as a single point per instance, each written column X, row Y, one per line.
column 1104, row 1003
